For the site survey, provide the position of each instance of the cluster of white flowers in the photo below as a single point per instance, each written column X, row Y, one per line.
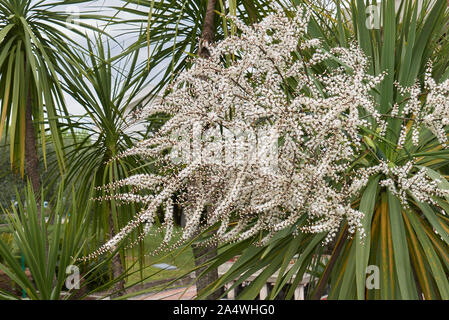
column 433, row 112
column 403, row 181
column 260, row 82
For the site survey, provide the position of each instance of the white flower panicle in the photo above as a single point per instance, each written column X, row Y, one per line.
column 406, row 180
column 264, row 140
column 432, row 112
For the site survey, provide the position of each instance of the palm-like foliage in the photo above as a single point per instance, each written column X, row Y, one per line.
column 50, row 250
column 35, row 39
column 107, row 93
column 409, row 244
column 47, row 250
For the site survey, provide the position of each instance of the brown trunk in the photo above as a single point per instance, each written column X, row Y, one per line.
column 204, row 254
column 116, row 266
column 207, row 36
column 31, row 155
column 32, row 162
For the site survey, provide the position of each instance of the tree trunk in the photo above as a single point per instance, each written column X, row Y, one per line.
column 204, row 254
column 207, row 36
column 116, row 266
column 31, row 155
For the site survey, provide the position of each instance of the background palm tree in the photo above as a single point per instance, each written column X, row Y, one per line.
column 36, row 39
column 107, row 91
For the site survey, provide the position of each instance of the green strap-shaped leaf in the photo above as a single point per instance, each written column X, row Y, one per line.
column 400, row 248
column 5, row 31
column 428, row 212
column 438, row 272
column 367, row 205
